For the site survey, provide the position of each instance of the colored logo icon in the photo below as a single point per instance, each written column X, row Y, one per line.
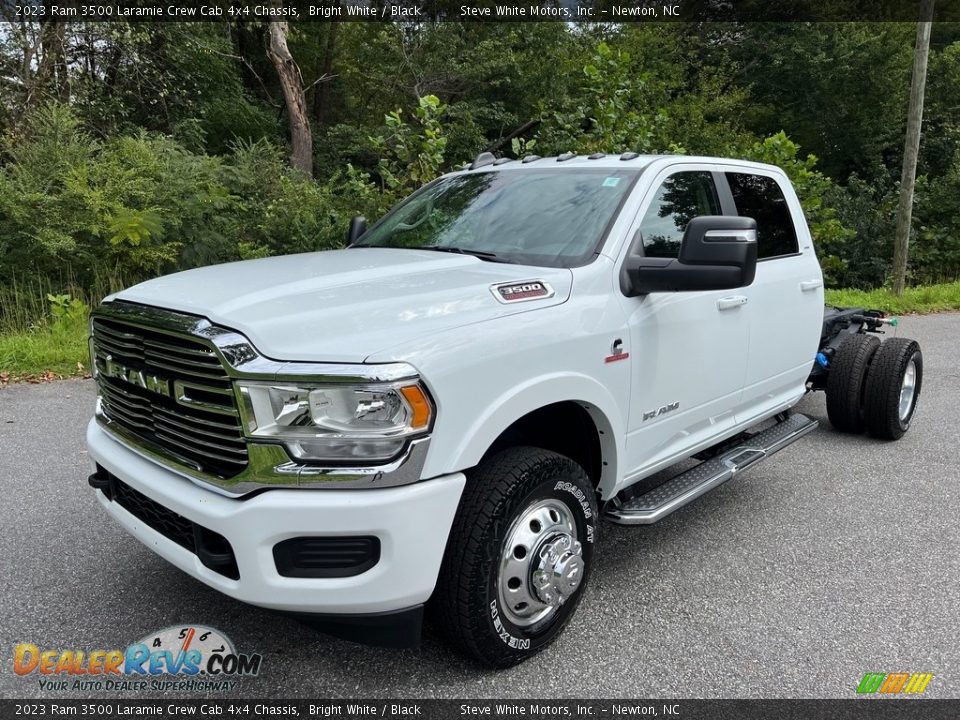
column 894, row 683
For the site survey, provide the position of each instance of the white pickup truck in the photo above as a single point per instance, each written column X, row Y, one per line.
column 440, row 414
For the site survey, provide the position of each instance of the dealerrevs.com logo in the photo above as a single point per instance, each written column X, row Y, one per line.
column 180, row 657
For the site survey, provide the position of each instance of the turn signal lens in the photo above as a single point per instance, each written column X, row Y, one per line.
column 418, row 404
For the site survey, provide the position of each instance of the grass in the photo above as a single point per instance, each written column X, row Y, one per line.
column 921, row 299
column 43, row 338
column 25, row 304
column 45, row 353
column 36, row 346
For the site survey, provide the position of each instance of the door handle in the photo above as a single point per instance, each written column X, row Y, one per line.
column 729, row 303
column 810, row 285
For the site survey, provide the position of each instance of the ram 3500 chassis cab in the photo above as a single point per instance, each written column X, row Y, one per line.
column 445, row 410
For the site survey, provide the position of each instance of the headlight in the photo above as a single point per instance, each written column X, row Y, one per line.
column 336, row 422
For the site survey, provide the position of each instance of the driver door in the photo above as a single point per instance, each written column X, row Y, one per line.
column 689, row 349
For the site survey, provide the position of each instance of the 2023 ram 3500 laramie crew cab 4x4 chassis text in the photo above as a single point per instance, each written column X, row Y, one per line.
column 444, row 410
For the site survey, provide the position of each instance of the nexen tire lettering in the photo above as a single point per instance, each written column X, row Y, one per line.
column 508, row 639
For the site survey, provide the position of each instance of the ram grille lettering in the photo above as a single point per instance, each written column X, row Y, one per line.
column 152, row 383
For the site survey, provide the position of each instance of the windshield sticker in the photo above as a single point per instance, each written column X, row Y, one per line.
column 611, row 182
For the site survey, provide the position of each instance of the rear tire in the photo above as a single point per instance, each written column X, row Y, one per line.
column 519, row 556
column 846, row 381
column 893, row 388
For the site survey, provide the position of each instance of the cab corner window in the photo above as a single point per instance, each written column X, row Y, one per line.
column 761, row 198
column 680, row 198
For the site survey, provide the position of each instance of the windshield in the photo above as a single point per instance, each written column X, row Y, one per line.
column 550, row 217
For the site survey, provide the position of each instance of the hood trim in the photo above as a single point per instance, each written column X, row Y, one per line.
column 238, row 355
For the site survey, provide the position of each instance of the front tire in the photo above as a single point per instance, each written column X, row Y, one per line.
column 519, row 556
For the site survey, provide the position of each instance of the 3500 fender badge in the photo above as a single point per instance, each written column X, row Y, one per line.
column 520, row 291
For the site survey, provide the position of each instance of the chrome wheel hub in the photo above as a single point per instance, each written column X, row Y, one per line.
column 541, row 565
column 559, row 571
column 908, row 390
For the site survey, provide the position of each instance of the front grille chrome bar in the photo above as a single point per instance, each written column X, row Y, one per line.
column 144, row 394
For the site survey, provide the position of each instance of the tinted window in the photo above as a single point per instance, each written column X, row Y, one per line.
column 679, row 199
column 546, row 217
column 762, row 199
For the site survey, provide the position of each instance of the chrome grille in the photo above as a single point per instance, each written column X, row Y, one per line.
column 172, row 392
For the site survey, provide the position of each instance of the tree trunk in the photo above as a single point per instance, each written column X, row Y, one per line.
column 52, row 70
column 301, row 141
column 321, row 97
column 911, row 148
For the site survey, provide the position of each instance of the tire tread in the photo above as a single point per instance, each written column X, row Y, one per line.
column 484, row 510
column 882, row 397
column 845, row 383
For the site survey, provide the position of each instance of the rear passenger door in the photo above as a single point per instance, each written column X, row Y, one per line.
column 785, row 301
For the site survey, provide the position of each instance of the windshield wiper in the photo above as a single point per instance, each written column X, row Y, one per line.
column 480, row 254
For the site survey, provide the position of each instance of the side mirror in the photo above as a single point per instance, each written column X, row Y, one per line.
column 358, row 226
column 717, row 253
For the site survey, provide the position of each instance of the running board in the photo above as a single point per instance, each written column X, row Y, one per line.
column 688, row 486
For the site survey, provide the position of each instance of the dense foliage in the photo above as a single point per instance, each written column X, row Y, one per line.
column 140, row 149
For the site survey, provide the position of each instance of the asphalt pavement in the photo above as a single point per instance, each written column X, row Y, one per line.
column 837, row 557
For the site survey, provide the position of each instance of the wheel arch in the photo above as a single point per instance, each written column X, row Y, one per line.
column 553, row 415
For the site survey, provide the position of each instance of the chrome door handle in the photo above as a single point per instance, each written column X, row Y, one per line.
column 729, row 303
column 809, row 285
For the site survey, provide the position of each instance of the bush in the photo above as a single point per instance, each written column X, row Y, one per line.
column 871, row 215
column 935, row 246
column 280, row 211
column 142, row 205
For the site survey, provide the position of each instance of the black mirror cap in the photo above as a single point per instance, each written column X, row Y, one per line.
column 719, row 240
column 718, row 252
column 358, row 226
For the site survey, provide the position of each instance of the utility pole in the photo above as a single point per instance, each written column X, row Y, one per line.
column 911, row 147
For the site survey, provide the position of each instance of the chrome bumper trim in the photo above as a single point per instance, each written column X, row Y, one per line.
column 270, row 467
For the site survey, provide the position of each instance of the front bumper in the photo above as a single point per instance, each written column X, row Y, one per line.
column 412, row 523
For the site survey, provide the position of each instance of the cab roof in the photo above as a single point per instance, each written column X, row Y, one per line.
column 486, row 162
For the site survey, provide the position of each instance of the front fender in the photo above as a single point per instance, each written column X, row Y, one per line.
column 486, row 376
column 462, row 449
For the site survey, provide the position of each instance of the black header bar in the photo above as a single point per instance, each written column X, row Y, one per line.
column 222, row 708
column 573, row 11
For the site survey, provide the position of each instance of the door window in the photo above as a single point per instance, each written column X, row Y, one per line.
column 760, row 198
column 679, row 199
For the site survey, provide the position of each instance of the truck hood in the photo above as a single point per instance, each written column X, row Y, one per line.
column 345, row 305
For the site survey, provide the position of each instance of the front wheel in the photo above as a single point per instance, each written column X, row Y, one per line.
column 519, row 555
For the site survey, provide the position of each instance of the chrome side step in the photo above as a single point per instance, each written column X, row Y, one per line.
column 675, row 493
